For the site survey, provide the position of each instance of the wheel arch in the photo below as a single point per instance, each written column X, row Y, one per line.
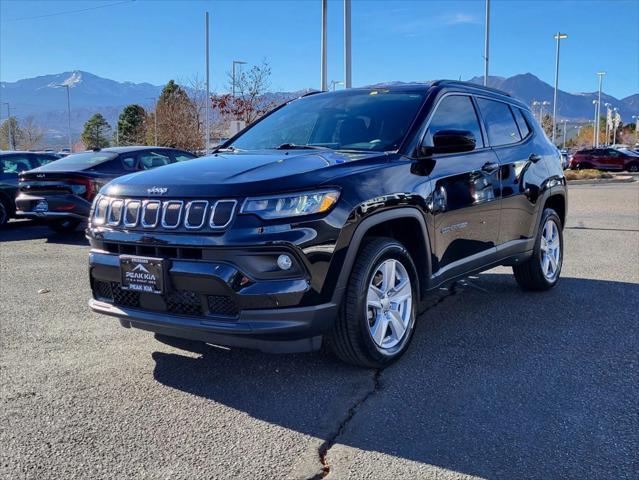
column 404, row 224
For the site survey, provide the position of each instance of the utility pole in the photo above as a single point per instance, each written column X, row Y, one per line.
column 608, row 121
column 600, row 75
column 564, row 121
column 486, row 42
column 595, row 133
column 347, row 45
column 559, row 36
column 207, row 135
column 323, row 72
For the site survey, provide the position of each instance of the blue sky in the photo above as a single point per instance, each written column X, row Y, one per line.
column 154, row 41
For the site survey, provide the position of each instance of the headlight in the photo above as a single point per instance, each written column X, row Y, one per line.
column 291, row 205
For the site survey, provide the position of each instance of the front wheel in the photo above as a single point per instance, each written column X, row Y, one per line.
column 377, row 315
column 66, row 225
column 541, row 271
column 633, row 167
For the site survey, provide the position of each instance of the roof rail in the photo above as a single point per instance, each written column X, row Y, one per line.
column 471, row 85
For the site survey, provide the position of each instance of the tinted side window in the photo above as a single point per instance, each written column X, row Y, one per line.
column 524, row 129
column 128, row 162
column 16, row 164
column 499, row 122
column 149, row 160
column 182, row 156
column 455, row 112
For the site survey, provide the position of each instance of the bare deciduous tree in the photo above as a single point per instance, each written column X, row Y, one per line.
column 31, row 134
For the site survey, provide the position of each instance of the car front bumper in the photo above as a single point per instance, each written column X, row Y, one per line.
column 214, row 301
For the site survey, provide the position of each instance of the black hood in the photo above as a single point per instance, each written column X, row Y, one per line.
column 245, row 173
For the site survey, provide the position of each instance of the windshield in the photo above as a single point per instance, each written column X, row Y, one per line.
column 86, row 159
column 375, row 120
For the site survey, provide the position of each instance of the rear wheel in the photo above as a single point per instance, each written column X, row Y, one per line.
column 542, row 270
column 5, row 211
column 633, row 167
column 377, row 316
column 66, row 225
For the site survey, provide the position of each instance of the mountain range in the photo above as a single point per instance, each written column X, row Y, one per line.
column 44, row 98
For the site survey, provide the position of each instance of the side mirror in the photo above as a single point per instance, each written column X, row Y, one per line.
column 450, row 141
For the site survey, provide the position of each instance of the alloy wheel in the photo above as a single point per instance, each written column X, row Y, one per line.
column 550, row 250
column 389, row 304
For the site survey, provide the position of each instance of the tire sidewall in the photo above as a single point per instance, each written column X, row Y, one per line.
column 549, row 214
column 5, row 212
column 389, row 251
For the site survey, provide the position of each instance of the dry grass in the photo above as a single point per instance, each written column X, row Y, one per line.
column 589, row 174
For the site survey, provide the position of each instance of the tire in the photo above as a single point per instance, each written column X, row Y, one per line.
column 532, row 275
column 633, row 167
column 66, row 225
column 352, row 338
column 584, row 166
column 5, row 212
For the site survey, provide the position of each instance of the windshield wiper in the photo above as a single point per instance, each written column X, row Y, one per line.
column 292, row 146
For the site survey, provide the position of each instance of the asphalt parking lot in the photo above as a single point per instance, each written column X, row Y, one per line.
column 497, row 384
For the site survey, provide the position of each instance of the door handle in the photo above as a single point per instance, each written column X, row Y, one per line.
column 534, row 158
column 490, row 167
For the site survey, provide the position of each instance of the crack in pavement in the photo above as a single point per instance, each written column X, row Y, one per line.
column 332, row 439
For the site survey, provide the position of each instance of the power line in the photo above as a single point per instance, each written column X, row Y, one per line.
column 69, row 11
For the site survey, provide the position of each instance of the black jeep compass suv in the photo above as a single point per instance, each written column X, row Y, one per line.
column 330, row 219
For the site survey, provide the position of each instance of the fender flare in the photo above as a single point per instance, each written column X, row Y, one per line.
column 361, row 230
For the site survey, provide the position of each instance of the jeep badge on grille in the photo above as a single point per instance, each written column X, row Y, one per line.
column 157, row 190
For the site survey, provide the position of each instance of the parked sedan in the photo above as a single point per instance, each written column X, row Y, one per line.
column 11, row 165
column 605, row 159
column 62, row 191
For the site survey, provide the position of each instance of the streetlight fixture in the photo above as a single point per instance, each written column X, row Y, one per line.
column 535, row 103
column 66, row 85
column 335, row 82
column 600, row 75
column 559, row 36
column 541, row 110
column 235, row 62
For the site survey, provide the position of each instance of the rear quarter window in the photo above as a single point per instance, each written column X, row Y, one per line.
column 499, row 121
column 524, row 129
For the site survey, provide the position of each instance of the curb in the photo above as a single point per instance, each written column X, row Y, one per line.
column 595, row 181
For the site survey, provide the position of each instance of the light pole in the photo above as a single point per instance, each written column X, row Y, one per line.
column 66, row 85
column 335, row 82
column 600, row 75
column 347, row 45
column 207, row 135
column 615, row 125
column 155, row 118
column 323, row 71
column 595, row 133
column 486, row 42
column 564, row 144
column 559, row 36
column 235, row 62
column 10, row 132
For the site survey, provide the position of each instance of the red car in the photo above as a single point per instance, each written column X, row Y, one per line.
column 605, row 159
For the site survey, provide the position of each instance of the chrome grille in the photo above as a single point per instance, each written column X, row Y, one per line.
column 170, row 214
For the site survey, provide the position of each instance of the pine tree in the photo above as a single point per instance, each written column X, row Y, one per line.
column 95, row 132
column 131, row 125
